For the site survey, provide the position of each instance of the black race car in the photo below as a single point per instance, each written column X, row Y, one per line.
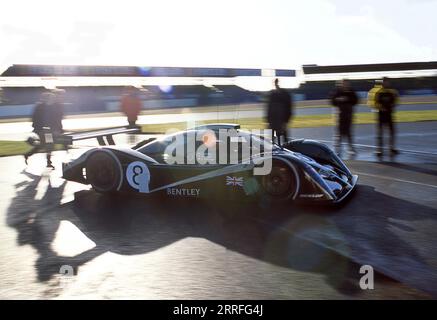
column 301, row 170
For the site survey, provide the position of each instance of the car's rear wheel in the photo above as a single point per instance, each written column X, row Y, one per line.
column 103, row 171
column 282, row 183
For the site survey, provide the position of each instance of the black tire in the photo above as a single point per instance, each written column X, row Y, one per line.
column 282, row 183
column 103, row 171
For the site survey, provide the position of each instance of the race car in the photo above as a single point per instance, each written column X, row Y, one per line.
column 217, row 161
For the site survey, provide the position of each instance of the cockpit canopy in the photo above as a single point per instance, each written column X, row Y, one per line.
column 215, row 144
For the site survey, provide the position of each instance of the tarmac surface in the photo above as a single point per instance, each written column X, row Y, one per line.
column 143, row 248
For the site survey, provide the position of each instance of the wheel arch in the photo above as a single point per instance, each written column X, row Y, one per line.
column 116, row 161
column 318, row 151
column 292, row 164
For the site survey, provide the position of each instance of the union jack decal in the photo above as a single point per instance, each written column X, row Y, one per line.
column 234, row 181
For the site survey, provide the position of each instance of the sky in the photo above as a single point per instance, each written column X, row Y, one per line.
column 206, row 33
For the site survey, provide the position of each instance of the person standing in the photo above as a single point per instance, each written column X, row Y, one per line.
column 58, row 115
column 279, row 112
column 384, row 98
column 43, row 119
column 131, row 105
column 344, row 98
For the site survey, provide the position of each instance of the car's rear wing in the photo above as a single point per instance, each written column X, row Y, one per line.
column 101, row 135
column 217, row 126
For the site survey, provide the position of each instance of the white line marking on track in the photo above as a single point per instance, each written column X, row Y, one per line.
column 395, row 179
column 374, row 147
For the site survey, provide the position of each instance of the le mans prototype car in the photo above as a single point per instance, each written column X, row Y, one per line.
column 300, row 170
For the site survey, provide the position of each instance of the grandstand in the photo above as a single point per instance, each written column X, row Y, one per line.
column 98, row 88
column 410, row 78
column 92, row 89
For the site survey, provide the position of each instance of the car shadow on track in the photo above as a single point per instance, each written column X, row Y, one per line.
column 305, row 238
column 393, row 235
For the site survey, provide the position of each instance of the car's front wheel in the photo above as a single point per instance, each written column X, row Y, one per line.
column 103, row 171
column 282, row 183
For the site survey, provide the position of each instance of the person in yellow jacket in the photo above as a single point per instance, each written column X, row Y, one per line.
column 383, row 99
column 372, row 94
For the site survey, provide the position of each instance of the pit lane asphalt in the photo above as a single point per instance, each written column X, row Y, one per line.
column 148, row 248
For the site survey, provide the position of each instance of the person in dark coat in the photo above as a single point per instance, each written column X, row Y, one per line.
column 58, row 110
column 279, row 112
column 43, row 119
column 58, row 116
column 344, row 98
